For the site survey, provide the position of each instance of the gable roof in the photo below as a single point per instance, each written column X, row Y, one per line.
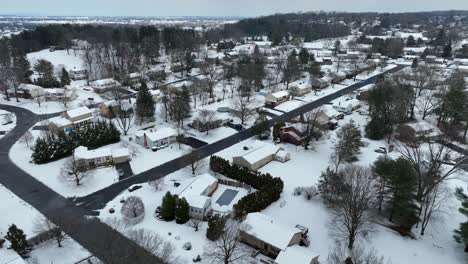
column 266, row 229
column 193, row 193
column 297, row 255
column 79, row 112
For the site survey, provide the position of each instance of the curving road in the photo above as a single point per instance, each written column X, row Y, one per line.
column 99, row 199
column 98, row 238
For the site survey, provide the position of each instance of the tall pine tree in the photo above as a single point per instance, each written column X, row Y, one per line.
column 64, row 78
column 168, row 207
column 182, row 211
column 145, row 107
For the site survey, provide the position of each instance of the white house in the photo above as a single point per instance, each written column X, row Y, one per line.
column 259, row 156
column 104, row 85
column 78, row 115
column 78, row 74
column 198, row 195
column 274, row 99
column 99, row 157
column 153, row 138
column 272, row 238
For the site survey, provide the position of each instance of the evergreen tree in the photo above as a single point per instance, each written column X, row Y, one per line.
column 415, row 63
column 182, row 211
column 64, row 78
column 144, row 104
column 447, row 53
column 330, row 185
column 349, row 142
column 315, row 69
column 215, row 228
column 461, row 234
column 400, row 180
column 18, row 241
column 168, row 207
column 304, row 57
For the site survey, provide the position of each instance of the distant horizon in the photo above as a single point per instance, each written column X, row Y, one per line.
column 217, row 16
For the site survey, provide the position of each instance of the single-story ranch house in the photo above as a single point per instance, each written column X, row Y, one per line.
column 87, row 159
column 104, row 85
column 274, row 239
column 198, row 195
column 260, row 156
column 274, row 99
column 156, row 138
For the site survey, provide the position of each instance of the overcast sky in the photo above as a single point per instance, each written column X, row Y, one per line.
column 215, row 7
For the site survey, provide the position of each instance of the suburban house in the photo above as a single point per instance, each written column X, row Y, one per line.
column 78, row 74
column 300, row 88
column 347, row 106
column 409, row 132
column 134, row 78
column 271, row 238
column 198, row 195
column 258, row 157
column 156, row 138
column 292, row 134
column 274, row 99
column 59, row 123
column 110, row 108
column 318, row 83
column 88, row 159
column 27, row 91
column 78, row 115
column 202, row 126
column 104, row 85
column 60, row 94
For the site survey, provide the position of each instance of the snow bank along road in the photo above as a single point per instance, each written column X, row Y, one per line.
column 99, row 199
column 97, row 237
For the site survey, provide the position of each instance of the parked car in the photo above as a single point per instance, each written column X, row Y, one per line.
column 381, row 150
column 121, row 173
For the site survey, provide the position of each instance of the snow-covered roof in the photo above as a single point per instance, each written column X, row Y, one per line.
column 266, row 229
column 83, row 153
column 194, row 192
column 105, row 82
column 297, row 255
column 77, row 112
column 159, row 134
column 260, row 153
column 120, row 152
column 60, row 121
column 134, row 75
column 29, row 87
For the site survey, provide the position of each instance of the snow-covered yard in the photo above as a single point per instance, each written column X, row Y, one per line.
column 24, row 216
column 7, row 122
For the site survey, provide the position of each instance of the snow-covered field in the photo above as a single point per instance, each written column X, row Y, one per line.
column 58, row 58
column 7, row 122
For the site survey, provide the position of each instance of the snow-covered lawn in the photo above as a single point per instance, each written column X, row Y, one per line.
column 16, row 211
column 49, row 252
column 49, row 173
column 4, row 127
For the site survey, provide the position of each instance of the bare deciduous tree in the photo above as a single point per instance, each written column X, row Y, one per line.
column 71, row 172
column 352, row 216
column 433, row 205
column 212, row 75
column 195, row 160
column 228, row 248
column 27, row 138
column 206, row 118
column 242, row 107
column 133, row 209
column 195, row 224
column 43, row 225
